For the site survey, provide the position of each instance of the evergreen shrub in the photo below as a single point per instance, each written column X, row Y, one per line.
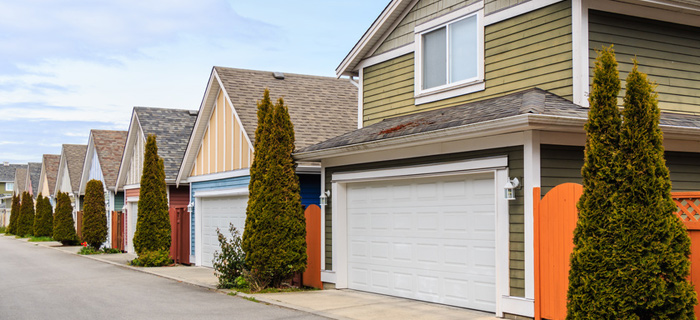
column 94, row 228
column 63, row 223
column 26, row 218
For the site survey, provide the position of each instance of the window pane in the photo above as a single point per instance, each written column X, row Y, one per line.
column 9, row 186
column 434, row 58
column 463, row 49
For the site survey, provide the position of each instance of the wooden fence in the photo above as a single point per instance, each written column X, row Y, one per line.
column 118, row 224
column 555, row 218
column 312, row 275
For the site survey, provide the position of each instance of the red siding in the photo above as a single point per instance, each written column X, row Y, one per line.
column 179, row 197
column 131, row 193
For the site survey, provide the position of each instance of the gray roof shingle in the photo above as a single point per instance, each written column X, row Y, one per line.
column 110, row 146
column 7, row 172
column 320, row 107
column 530, row 101
column 34, row 171
column 51, row 162
column 21, row 180
column 172, row 128
column 75, row 159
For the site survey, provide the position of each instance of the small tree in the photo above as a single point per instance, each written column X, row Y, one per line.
column 26, row 217
column 63, row 223
column 274, row 238
column 14, row 215
column 651, row 262
column 94, row 229
column 45, row 227
column 153, row 222
column 40, row 212
column 589, row 293
column 230, row 262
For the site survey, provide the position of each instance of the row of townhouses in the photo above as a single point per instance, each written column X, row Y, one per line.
column 434, row 112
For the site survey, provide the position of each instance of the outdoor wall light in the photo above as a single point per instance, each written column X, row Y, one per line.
column 324, row 197
column 190, row 206
column 510, row 187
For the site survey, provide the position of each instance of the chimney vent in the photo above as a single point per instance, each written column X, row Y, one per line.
column 278, row 75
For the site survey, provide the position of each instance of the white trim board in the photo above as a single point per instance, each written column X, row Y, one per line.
column 230, row 192
column 220, row 175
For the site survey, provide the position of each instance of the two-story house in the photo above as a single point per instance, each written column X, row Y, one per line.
column 459, row 98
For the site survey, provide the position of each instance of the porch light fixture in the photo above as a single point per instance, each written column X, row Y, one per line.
column 510, row 187
column 190, row 206
column 324, row 197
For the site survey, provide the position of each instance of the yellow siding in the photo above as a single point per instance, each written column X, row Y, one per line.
column 45, row 187
column 223, row 147
column 531, row 50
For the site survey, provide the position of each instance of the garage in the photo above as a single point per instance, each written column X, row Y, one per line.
column 430, row 239
column 218, row 212
column 131, row 219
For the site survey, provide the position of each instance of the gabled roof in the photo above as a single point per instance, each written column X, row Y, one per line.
column 7, row 172
column 383, row 24
column 490, row 114
column 50, row 171
column 319, row 107
column 172, row 128
column 20, row 180
column 73, row 156
column 109, row 146
column 33, row 175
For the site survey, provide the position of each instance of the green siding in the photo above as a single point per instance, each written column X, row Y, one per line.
column 119, row 201
column 531, row 50
column 423, row 11
column 561, row 164
column 491, row 6
column 668, row 53
column 516, row 207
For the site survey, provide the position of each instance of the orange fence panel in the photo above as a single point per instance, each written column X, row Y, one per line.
column 312, row 275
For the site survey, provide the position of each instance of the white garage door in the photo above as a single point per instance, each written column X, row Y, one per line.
column 430, row 239
column 131, row 219
column 218, row 213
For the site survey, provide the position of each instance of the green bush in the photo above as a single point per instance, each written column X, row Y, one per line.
column 3, row 229
column 43, row 221
column 274, row 238
column 157, row 258
column 26, row 218
column 40, row 239
column 63, row 223
column 14, row 215
column 88, row 250
column 153, row 222
column 230, row 262
column 94, row 229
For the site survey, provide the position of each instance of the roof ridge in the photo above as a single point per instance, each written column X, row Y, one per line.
column 285, row 73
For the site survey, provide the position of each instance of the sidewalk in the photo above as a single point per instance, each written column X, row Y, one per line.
column 335, row 304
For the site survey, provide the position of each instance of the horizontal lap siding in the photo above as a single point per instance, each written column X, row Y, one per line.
column 310, row 189
column 119, row 201
column 562, row 164
column 668, row 53
column 516, row 207
column 491, row 6
column 530, row 50
column 179, row 196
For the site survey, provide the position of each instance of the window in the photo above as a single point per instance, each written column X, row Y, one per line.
column 9, row 186
column 449, row 55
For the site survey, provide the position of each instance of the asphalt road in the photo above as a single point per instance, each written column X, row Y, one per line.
column 43, row 283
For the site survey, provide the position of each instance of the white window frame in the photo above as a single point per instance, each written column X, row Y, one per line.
column 458, row 88
column 9, row 186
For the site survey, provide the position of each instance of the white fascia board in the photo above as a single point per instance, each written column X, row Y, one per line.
column 132, row 186
column 220, row 175
column 374, row 31
column 517, row 10
column 197, row 134
column 128, row 151
column 232, row 192
column 316, row 169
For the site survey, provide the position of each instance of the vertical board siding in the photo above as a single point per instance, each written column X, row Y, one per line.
column 223, row 147
column 561, row 164
column 530, row 50
column 95, row 172
column 516, row 207
column 310, row 189
column 668, row 53
column 423, row 11
column 65, row 185
column 136, row 161
column 237, row 182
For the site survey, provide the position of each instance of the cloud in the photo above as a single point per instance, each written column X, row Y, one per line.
column 97, row 30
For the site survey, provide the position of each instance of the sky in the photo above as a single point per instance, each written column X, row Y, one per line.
column 68, row 66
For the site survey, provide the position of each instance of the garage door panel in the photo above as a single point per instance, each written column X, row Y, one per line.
column 430, row 239
column 218, row 213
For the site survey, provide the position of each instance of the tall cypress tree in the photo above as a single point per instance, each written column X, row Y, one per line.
column 590, row 295
column 26, row 217
column 274, row 237
column 153, row 222
column 39, row 210
column 63, row 223
column 94, row 228
column 43, row 225
column 14, row 215
column 652, row 249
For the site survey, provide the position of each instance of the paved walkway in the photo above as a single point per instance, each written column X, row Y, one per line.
column 336, row 304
